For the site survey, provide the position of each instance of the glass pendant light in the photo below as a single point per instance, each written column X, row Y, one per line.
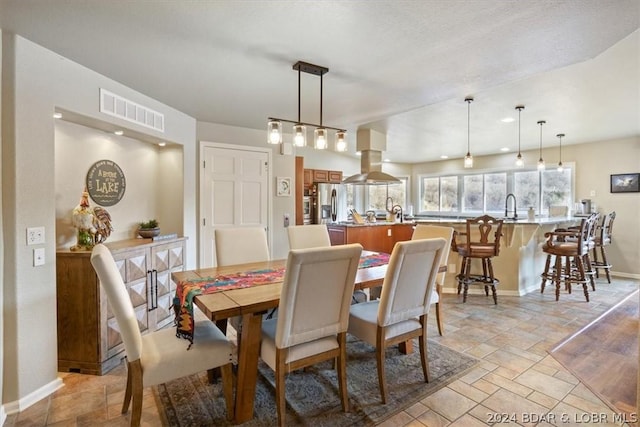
column 320, row 139
column 541, row 160
column 468, row 159
column 519, row 159
column 341, row 142
column 299, row 135
column 274, row 132
column 560, row 167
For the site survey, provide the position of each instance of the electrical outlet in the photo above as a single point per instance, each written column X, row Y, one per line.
column 286, row 220
column 38, row 257
column 35, row 236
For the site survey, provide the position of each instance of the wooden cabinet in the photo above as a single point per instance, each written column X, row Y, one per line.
column 335, row 177
column 377, row 238
column 321, row 175
column 89, row 340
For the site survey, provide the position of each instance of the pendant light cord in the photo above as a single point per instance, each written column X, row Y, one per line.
column 299, row 72
column 468, row 125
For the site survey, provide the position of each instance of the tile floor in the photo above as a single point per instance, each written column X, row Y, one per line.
column 517, row 380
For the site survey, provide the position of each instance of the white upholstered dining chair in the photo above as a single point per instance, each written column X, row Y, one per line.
column 160, row 356
column 308, row 236
column 313, row 314
column 401, row 312
column 424, row 231
column 240, row 245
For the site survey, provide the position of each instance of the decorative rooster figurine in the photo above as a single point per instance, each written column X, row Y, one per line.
column 93, row 225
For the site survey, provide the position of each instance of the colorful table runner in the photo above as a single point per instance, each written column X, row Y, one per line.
column 187, row 290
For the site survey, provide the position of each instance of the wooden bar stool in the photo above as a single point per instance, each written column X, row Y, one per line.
column 603, row 239
column 573, row 245
column 481, row 241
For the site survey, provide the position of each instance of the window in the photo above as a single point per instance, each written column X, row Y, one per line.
column 378, row 194
column 477, row 193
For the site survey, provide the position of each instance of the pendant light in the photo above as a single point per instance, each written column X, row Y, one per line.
column 468, row 159
column 541, row 160
column 560, row 167
column 321, row 137
column 519, row 159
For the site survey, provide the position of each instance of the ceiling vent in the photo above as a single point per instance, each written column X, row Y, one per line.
column 371, row 144
column 122, row 108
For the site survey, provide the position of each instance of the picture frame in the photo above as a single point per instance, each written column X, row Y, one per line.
column 625, row 183
column 283, row 186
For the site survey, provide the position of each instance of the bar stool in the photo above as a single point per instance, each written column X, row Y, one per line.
column 573, row 245
column 482, row 241
column 603, row 239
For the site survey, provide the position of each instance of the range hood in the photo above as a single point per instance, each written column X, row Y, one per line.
column 371, row 143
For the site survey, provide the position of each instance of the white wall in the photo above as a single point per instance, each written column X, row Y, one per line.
column 2, row 411
column 595, row 162
column 35, row 82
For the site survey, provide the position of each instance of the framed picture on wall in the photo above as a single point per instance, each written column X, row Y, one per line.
column 283, row 186
column 625, row 183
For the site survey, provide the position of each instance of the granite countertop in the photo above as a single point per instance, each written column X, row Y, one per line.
column 519, row 221
column 370, row 224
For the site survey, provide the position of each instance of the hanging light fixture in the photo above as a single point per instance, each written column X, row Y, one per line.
column 560, row 167
column 468, row 159
column 519, row 159
column 541, row 160
column 321, row 139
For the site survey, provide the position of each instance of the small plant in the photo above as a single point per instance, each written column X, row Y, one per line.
column 152, row 223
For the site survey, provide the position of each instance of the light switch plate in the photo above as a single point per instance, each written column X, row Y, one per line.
column 35, row 236
column 38, row 257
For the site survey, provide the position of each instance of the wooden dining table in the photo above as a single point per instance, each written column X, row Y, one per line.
column 251, row 303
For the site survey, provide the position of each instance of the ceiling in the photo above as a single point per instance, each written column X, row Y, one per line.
column 403, row 68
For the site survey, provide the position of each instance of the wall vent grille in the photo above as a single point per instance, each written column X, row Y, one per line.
column 122, row 108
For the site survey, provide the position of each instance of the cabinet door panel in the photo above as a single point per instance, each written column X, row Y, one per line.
column 335, row 176
column 138, row 292
column 161, row 259
column 176, row 257
column 320, row 175
column 164, row 313
column 137, row 267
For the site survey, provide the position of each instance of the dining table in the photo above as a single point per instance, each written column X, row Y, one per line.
column 251, row 303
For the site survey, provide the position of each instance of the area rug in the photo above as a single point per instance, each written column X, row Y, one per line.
column 312, row 395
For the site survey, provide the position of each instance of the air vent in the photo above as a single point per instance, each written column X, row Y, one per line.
column 122, row 108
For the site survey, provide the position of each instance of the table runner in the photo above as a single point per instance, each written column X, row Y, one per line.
column 187, row 290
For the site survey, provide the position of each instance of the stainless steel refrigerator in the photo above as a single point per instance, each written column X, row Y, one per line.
column 329, row 203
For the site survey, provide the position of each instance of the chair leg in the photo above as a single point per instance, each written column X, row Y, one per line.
column 226, row 372
column 467, row 273
column 558, row 276
column 545, row 274
column 493, row 281
column 280, row 384
column 424, row 356
column 582, row 276
column 438, row 311
column 605, row 263
column 380, row 359
column 342, row 371
column 135, row 368
column 127, row 392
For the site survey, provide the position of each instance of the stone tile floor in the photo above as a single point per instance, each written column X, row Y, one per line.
column 517, row 381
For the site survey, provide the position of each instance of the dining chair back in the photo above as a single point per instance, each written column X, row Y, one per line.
column 425, row 231
column 401, row 312
column 308, row 236
column 603, row 239
column 313, row 315
column 159, row 356
column 240, row 245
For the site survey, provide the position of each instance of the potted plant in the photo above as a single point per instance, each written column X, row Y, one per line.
column 149, row 229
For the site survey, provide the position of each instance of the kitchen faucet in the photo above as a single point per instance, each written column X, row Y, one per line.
column 506, row 207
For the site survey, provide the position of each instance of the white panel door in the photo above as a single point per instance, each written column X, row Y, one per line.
column 233, row 192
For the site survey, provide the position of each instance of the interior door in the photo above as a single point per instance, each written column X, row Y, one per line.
column 234, row 189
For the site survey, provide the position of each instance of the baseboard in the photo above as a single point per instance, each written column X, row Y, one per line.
column 3, row 415
column 624, row 275
column 31, row 398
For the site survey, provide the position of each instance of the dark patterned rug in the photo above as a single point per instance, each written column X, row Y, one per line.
column 312, row 395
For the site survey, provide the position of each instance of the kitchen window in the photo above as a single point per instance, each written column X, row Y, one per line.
column 377, row 195
column 477, row 193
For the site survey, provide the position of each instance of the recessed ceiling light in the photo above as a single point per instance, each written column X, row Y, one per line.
column 444, row 156
column 162, row 143
column 57, row 115
column 504, row 149
column 119, row 132
column 508, row 120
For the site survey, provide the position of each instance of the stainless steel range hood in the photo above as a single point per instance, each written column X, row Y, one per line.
column 371, row 143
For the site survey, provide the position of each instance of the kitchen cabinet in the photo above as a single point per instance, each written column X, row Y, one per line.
column 89, row 340
column 321, row 175
column 377, row 238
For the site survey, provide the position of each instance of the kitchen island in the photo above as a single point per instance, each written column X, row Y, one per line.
column 521, row 259
column 379, row 236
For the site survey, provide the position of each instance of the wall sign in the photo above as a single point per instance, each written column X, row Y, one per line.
column 105, row 183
